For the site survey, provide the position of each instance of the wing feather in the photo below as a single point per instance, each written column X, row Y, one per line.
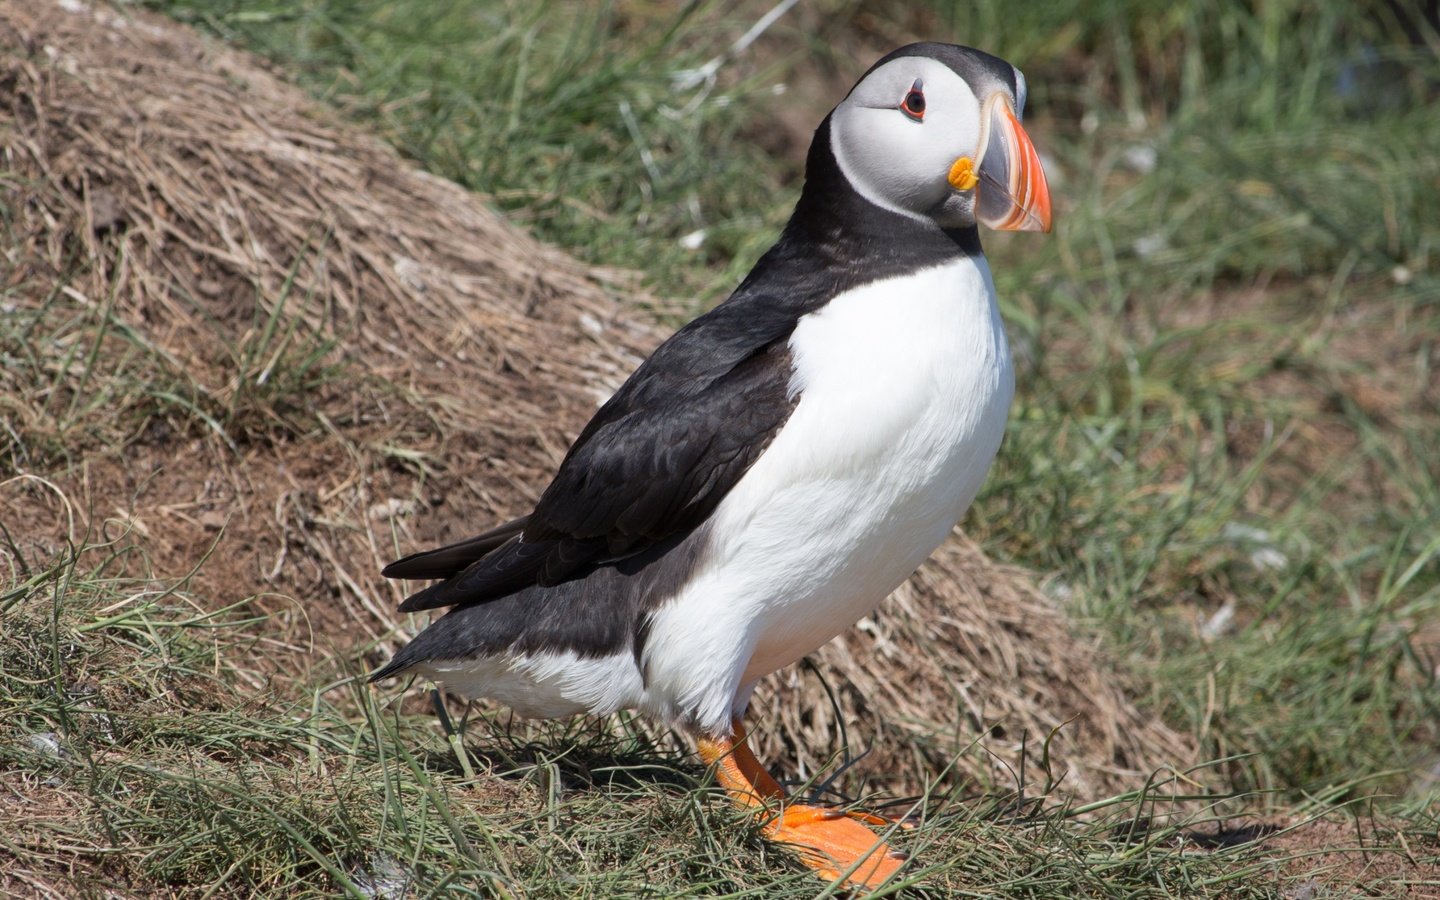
column 443, row 562
column 652, row 464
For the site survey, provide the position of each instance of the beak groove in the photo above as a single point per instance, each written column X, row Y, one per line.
column 1013, row 194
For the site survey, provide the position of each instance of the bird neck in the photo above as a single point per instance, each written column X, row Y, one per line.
column 837, row 220
column 837, row 241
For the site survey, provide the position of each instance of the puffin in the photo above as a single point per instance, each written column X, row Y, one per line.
column 779, row 465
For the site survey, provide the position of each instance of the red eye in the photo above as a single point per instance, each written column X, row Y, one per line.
column 914, row 102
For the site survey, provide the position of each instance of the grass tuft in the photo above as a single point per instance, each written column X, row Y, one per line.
column 340, row 795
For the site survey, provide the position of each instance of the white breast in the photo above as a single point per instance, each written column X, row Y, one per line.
column 904, row 389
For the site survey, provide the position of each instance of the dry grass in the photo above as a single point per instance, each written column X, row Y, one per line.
column 188, row 223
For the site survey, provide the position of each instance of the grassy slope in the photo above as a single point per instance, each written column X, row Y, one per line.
column 1223, row 449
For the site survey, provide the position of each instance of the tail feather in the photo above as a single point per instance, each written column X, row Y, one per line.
column 394, row 667
column 446, row 561
column 503, row 571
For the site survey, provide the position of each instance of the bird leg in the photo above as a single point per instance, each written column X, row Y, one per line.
column 827, row 840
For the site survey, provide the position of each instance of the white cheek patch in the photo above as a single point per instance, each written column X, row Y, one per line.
column 892, row 160
column 880, row 168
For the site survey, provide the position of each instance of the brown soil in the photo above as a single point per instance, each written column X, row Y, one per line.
column 1335, row 857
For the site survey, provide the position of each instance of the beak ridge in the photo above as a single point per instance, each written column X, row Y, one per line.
column 1012, row 194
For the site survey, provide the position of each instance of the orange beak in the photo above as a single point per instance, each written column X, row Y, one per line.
column 1012, row 194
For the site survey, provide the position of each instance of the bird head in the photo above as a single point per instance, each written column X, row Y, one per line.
column 933, row 131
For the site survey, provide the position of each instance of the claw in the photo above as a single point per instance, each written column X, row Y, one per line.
column 881, row 821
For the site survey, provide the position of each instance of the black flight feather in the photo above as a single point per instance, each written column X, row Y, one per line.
column 443, row 562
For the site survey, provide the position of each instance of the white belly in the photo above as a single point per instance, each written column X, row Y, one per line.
column 904, row 387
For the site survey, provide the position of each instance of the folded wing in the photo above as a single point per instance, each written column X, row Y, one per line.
column 652, row 464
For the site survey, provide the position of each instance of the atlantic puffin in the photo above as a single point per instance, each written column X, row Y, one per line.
column 780, row 464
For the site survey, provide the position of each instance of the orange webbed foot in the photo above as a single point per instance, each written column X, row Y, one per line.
column 831, row 841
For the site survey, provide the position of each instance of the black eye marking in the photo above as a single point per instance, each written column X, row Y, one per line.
column 914, row 103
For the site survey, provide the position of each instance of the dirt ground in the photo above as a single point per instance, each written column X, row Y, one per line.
column 189, row 194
